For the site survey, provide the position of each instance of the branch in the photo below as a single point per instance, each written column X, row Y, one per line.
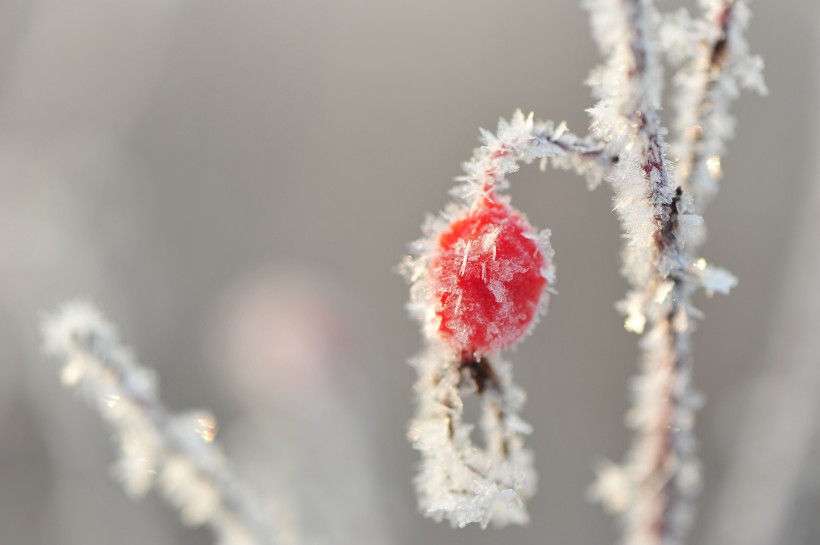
column 715, row 64
column 523, row 140
column 653, row 490
column 174, row 452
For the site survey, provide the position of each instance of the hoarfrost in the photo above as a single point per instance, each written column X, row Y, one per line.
column 459, row 481
column 660, row 214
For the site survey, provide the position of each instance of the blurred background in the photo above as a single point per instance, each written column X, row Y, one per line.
column 233, row 183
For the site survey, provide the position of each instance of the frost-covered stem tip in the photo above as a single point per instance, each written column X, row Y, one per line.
column 715, row 65
column 176, row 453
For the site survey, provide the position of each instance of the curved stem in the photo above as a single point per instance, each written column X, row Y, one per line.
column 458, row 480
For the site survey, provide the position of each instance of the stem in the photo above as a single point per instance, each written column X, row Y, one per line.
column 459, row 480
column 175, row 452
column 693, row 168
column 662, row 443
column 707, row 84
column 658, row 468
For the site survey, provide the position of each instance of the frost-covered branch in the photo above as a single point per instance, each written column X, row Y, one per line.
column 715, row 65
column 653, row 490
column 524, row 140
column 585, row 156
column 174, row 453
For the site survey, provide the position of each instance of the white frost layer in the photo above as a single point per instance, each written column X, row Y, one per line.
column 653, row 490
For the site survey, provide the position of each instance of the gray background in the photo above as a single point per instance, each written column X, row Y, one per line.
column 153, row 154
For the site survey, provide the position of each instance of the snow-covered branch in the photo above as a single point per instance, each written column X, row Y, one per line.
column 175, row 453
column 715, row 65
column 653, row 490
column 523, row 140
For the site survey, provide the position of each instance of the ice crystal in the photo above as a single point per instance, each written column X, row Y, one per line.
column 457, row 480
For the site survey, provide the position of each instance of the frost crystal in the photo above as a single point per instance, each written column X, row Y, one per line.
column 714, row 65
column 459, row 481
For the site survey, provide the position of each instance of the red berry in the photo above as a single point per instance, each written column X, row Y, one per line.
column 489, row 273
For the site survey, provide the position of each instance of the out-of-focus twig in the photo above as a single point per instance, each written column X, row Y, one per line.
column 175, row 453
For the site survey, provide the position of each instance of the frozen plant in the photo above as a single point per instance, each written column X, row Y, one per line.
column 475, row 296
column 174, row 453
column 480, row 280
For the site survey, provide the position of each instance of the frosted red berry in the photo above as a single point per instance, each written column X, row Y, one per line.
column 489, row 275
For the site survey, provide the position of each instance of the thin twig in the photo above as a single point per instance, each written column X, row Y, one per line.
column 716, row 65
column 174, row 452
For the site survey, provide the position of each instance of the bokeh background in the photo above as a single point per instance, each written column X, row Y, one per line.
column 234, row 182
